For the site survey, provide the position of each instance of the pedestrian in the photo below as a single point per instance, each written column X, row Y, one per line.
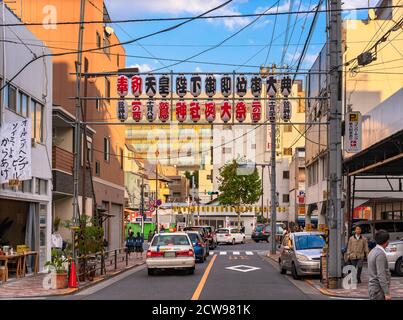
column 357, row 251
column 150, row 235
column 243, row 229
column 378, row 269
column 138, row 245
column 130, row 241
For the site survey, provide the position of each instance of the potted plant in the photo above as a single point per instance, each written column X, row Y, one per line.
column 58, row 267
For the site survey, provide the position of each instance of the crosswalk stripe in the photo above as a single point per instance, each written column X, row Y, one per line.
column 236, row 253
column 249, row 253
column 223, row 253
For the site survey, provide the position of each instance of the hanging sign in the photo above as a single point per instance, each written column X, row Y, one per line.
column 136, row 110
column 122, row 86
column 210, row 85
column 271, row 111
column 150, row 86
column 240, row 111
column 122, row 110
column 194, row 111
column 210, row 111
column 181, row 86
column 256, row 86
column 226, row 86
column 164, row 85
column 285, row 110
column 225, row 112
column 256, row 111
column 353, row 132
column 15, row 151
column 163, row 111
column 195, row 85
column 137, row 84
column 286, row 86
column 241, row 85
column 151, row 114
column 181, row 111
column 271, row 86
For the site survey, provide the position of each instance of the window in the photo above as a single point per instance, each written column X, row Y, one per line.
column 288, row 128
column 41, row 186
column 98, row 39
column 22, row 106
column 97, row 168
column 387, row 226
column 287, row 151
column 118, row 59
column 97, row 104
column 226, row 150
column 107, row 89
column 27, row 186
column 106, row 44
column 11, row 98
column 286, row 174
column 37, row 120
column 286, row 198
column 89, row 149
column 107, row 148
column 121, row 158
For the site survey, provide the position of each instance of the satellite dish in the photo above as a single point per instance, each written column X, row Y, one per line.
column 109, row 31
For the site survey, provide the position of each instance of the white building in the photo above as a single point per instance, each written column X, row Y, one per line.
column 27, row 207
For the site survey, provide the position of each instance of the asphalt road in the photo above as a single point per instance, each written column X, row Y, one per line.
column 212, row 280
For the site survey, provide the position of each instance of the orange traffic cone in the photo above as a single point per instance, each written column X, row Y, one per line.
column 73, row 275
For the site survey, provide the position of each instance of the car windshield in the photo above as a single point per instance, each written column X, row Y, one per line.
column 170, row 240
column 208, row 229
column 222, row 231
column 305, row 242
column 200, row 229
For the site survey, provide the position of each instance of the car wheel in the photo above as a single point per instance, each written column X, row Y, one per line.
column 282, row 269
column 151, row 271
column 191, row 271
column 294, row 272
column 399, row 268
column 233, row 241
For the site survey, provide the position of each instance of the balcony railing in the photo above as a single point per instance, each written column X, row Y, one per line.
column 62, row 159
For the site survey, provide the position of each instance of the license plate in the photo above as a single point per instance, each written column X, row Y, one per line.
column 169, row 254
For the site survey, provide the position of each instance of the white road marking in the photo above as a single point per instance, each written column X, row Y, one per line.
column 212, row 252
column 249, row 253
column 236, row 253
column 223, row 253
column 243, row 268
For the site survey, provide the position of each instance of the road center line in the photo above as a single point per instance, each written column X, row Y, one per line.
column 203, row 280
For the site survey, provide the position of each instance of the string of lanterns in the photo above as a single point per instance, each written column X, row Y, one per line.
column 195, row 88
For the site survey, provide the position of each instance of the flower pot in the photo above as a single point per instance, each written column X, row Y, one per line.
column 59, row 280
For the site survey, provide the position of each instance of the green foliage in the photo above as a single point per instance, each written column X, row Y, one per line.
column 56, row 224
column 58, row 262
column 236, row 190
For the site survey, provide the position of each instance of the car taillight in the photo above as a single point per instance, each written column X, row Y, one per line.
column 227, row 235
column 185, row 253
column 154, row 253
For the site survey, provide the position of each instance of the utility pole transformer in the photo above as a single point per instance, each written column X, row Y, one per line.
column 334, row 140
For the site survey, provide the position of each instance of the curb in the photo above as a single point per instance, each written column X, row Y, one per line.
column 326, row 292
column 75, row 290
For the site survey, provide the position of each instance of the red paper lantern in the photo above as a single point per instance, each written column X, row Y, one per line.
column 240, row 111
column 137, row 84
column 136, row 110
column 164, row 111
column 210, row 111
column 122, row 85
column 194, row 111
column 181, row 111
column 256, row 111
column 225, row 111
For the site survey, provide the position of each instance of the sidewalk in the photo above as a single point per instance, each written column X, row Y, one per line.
column 361, row 292
column 31, row 286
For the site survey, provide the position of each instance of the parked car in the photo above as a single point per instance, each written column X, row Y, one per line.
column 262, row 232
column 199, row 245
column 203, row 232
column 369, row 228
column 230, row 235
column 212, row 237
column 394, row 254
column 170, row 251
column 300, row 253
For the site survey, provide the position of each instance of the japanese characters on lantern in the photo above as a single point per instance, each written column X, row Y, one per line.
column 164, row 111
column 137, row 85
column 286, row 86
column 271, row 110
column 181, row 111
column 210, row 85
column 241, row 85
column 122, row 110
column 136, row 110
column 195, row 85
column 271, row 86
column 151, row 114
column 194, row 111
column 240, row 111
column 150, row 86
column 256, row 86
column 122, row 85
column 256, row 111
column 181, row 86
column 164, row 85
column 226, row 111
column 226, row 85
column 210, row 111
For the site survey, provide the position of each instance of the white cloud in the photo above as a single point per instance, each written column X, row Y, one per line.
column 126, row 9
column 358, row 3
column 144, row 67
column 198, row 69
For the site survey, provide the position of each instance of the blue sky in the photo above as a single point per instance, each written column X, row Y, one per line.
column 201, row 34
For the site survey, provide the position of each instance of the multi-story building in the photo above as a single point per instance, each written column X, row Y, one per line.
column 25, row 208
column 103, row 187
column 366, row 89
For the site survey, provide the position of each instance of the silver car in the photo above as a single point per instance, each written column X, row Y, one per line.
column 394, row 254
column 300, row 253
column 171, row 251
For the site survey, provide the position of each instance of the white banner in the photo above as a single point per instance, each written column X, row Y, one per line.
column 15, row 151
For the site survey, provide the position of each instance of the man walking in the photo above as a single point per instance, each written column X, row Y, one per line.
column 357, row 250
column 379, row 274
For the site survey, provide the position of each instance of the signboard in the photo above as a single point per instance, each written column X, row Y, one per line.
column 15, row 151
column 353, row 132
column 301, row 211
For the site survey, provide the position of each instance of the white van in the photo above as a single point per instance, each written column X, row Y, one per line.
column 370, row 227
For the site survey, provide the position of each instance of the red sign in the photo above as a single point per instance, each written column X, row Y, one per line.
column 256, row 111
column 164, row 111
column 137, row 84
column 136, row 110
column 226, row 111
column 210, row 111
column 181, row 111
column 240, row 111
column 122, row 85
column 194, row 111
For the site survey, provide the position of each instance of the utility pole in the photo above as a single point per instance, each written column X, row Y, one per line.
column 157, row 153
column 273, row 184
column 2, row 106
column 262, row 189
column 77, row 132
column 142, row 205
column 334, row 139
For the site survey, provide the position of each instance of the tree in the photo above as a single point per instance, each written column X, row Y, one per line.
column 238, row 190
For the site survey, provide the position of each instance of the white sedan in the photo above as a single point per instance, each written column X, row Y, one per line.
column 230, row 235
column 171, row 251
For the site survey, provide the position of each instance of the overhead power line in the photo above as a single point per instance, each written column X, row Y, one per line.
column 200, row 17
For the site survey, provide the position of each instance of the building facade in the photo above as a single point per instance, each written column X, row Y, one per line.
column 25, row 209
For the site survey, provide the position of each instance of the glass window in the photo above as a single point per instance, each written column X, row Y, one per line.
column 22, row 107
column 27, row 186
column 170, row 240
column 107, row 89
column 106, row 149
column 399, row 226
column 286, row 174
column 37, row 120
column 11, row 98
column 309, row 242
column 106, row 44
column 98, row 40
column 388, row 226
column 43, row 186
column 286, row 198
column 37, row 189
